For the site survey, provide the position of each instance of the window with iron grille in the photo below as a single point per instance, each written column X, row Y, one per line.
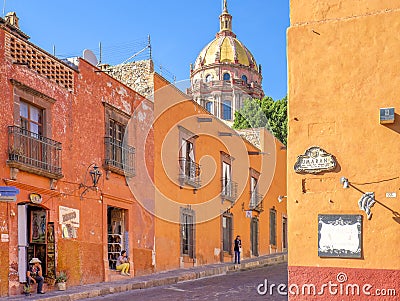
column 119, row 155
column 189, row 170
column 272, row 227
column 28, row 147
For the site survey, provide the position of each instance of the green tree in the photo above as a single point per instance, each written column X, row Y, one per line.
column 266, row 113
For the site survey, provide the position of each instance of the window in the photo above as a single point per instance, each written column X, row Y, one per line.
column 210, row 107
column 189, row 170
column 116, row 134
column 253, row 192
column 226, row 110
column 256, row 199
column 284, row 232
column 187, row 229
column 229, row 188
column 31, row 118
column 272, row 226
column 227, row 232
column 244, row 78
column 209, row 78
column 119, row 155
column 29, row 149
column 227, row 76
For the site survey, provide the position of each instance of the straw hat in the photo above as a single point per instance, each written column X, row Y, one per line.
column 35, row 260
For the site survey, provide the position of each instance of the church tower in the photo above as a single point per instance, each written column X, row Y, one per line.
column 225, row 73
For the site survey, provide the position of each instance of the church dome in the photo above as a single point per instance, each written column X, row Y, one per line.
column 225, row 48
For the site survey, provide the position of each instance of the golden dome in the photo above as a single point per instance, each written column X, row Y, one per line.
column 225, row 49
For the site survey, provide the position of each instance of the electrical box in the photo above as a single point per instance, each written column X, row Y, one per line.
column 386, row 115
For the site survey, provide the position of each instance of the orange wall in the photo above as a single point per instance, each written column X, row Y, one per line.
column 342, row 69
column 172, row 109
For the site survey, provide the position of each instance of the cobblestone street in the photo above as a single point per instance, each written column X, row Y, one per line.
column 233, row 286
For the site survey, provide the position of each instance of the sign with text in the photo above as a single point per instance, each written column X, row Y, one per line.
column 339, row 235
column 315, row 160
column 69, row 216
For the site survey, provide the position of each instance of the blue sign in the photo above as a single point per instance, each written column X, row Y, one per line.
column 8, row 191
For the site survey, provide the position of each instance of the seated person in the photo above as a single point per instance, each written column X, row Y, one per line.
column 34, row 274
column 123, row 264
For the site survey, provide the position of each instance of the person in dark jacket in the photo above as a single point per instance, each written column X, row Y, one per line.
column 35, row 275
column 238, row 249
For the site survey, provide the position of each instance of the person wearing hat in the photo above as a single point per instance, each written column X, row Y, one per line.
column 35, row 274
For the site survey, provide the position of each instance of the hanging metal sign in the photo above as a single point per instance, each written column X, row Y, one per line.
column 315, row 160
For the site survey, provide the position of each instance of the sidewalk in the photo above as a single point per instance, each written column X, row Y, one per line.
column 156, row 279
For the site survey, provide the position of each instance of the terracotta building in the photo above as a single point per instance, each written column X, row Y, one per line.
column 343, row 183
column 225, row 73
column 62, row 124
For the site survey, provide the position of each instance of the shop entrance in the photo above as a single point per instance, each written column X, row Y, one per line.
column 35, row 239
column 117, row 237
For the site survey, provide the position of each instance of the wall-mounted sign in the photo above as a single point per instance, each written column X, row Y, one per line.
column 8, row 193
column 69, row 220
column 391, row 194
column 386, row 115
column 69, row 216
column 315, row 160
column 339, row 235
column 35, row 198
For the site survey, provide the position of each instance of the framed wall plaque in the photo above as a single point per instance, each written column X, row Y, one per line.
column 340, row 235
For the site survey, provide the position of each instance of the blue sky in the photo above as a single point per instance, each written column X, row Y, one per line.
column 179, row 29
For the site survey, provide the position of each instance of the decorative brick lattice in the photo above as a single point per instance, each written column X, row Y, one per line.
column 21, row 52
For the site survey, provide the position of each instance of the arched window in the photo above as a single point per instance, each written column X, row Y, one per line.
column 209, row 78
column 227, row 76
column 226, row 110
column 244, row 78
column 210, row 107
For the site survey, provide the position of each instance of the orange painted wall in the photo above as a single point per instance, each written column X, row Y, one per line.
column 173, row 109
column 343, row 67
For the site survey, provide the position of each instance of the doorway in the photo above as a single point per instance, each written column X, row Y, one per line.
column 254, row 236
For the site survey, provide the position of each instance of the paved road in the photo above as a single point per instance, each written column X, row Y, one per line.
column 231, row 287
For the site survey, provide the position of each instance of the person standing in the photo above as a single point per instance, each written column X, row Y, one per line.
column 238, row 249
column 35, row 274
column 123, row 264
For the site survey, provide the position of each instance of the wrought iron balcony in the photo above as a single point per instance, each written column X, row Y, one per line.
column 119, row 157
column 34, row 153
column 256, row 202
column 229, row 190
column 189, row 172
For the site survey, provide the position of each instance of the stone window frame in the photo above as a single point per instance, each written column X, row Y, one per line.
column 113, row 113
column 22, row 92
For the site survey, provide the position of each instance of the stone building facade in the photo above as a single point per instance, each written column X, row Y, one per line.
column 225, row 73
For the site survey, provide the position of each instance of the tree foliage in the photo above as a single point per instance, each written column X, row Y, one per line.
column 266, row 113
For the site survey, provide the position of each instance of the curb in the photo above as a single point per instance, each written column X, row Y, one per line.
column 154, row 280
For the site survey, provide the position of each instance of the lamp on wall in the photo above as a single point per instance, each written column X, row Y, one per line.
column 281, row 197
column 95, row 175
column 345, row 182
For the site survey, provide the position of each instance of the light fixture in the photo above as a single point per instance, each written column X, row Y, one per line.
column 281, row 197
column 95, row 175
column 345, row 182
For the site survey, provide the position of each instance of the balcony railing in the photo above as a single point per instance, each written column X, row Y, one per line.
column 229, row 190
column 189, row 172
column 119, row 157
column 256, row 201
column 34, row 153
